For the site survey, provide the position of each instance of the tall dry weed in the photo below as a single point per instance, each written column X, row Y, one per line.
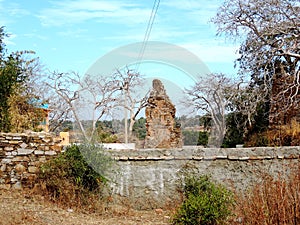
column 274, row 201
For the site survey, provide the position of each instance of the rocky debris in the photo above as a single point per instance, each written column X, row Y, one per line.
column 162, row 130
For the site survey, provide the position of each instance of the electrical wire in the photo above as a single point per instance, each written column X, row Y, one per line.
column 147, row 33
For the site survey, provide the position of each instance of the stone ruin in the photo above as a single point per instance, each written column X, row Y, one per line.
column 162, row 130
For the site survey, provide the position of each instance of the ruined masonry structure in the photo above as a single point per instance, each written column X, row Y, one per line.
column 162, row 131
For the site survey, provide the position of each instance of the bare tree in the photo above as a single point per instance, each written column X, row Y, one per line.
column 213, row 94
column 85, row 99
column 270, row 49
column 92, row 97
column 131, row 84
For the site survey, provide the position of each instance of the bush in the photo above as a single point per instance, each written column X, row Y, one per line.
column 70, row 180
column 205, row 203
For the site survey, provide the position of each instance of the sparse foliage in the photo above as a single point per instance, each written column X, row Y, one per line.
column 212, row 95
column 131, row 84
column 89, row 99
column 270, row 49
column 85, row 99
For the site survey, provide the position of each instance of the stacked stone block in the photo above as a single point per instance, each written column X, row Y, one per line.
column 21, row 156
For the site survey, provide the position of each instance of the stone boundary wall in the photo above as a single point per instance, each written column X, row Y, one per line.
column 204, row 154
column 150, row 178
column 21, row 156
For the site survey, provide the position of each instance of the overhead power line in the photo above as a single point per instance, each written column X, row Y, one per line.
column 147, row 33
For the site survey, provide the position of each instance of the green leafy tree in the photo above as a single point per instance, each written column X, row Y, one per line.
column 191, row 137
column 15, row 73
column 105, row 133
column 235, row 132
column 139, row 128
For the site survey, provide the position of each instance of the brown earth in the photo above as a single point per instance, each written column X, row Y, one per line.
column 17, row 207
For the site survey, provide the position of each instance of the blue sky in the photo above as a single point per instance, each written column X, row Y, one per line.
column 70, row 35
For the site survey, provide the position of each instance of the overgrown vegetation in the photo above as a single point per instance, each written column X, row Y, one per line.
column 70, row 179
column 271, row 201
column 16, row 71
column 205, row 203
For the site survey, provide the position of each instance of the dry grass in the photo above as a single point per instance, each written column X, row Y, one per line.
column 274, row 201
column 18, row 207
column 285, row 135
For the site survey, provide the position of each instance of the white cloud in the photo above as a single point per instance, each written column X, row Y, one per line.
column 72, row 12
column 212, row 51
column 10, row 12
column 35, row 35
column 158, row 33
column 197, row 11
column 75, row 33
column 15, row 10
column 192, row 5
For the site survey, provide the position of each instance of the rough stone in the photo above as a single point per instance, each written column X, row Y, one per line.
column 6, row 161
column 162, row 130
column 33, row 169
column 20, row 159
column 3, row 168
column 20, row 168
column 14, row 142
column 17, row 138
column 50, row 153
column 8, row 148
column 23, row 145
column 39, row 152
column 13, row 180
column 42, row 159
column 22, row 151
column 17, row 185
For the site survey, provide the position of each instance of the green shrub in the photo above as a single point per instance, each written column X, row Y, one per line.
column 205, row 203
column 71, row 180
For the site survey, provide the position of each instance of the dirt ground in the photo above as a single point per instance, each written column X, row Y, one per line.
column 17, row 207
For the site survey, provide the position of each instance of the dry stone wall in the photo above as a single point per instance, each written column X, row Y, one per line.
column 150, row 178
column 147, row 178
column 21, row 156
